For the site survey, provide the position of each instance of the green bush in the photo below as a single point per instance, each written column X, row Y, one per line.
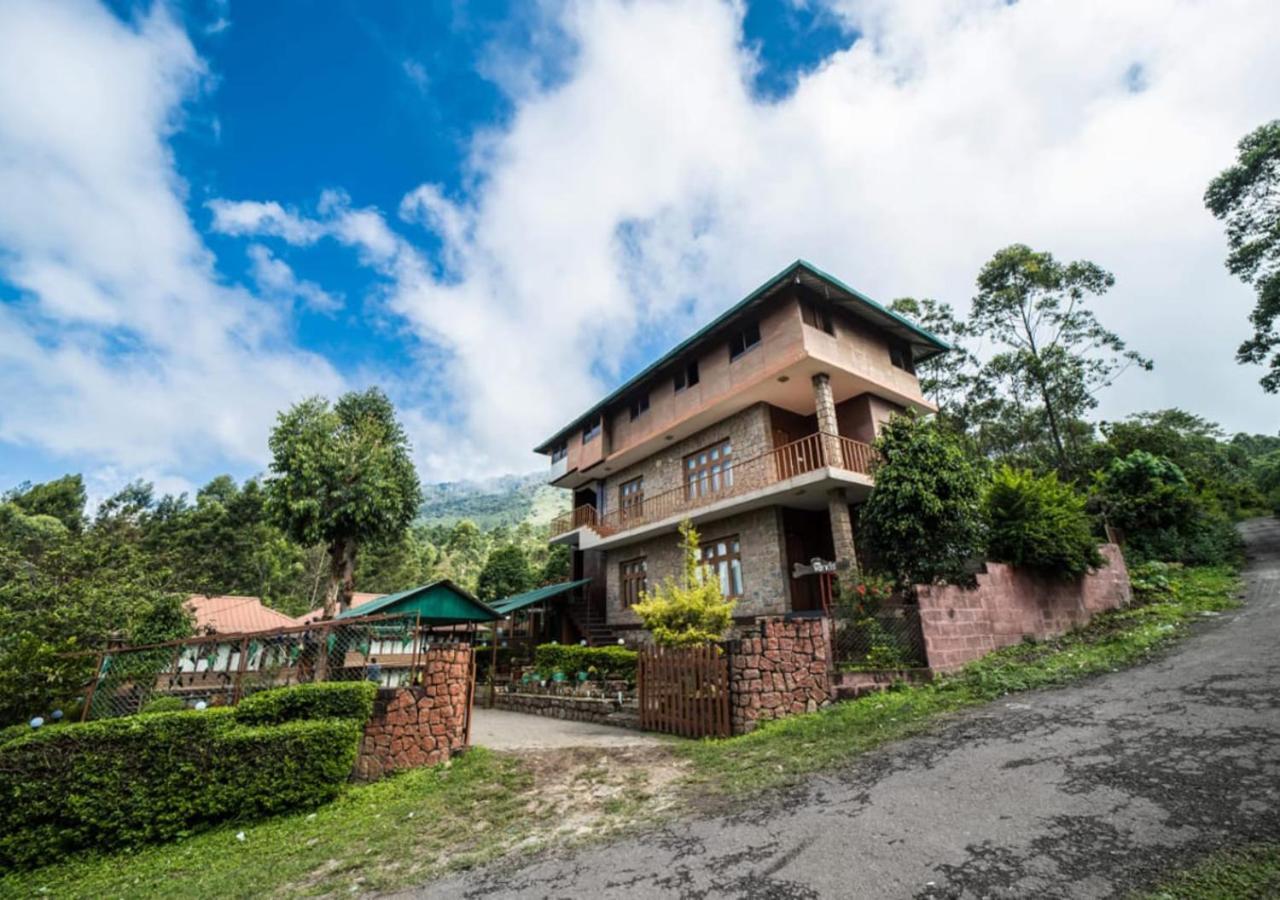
column 153, row 777
column 609, row 662
column 1040, row 523
column 163, row 703
column 324, row 700
column 690, row 610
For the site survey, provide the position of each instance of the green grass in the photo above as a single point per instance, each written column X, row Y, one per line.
column 1242, row 873
column 400, row 830
column 782, row 750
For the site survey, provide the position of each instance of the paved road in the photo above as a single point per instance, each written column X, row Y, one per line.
column 499, row 729
column 1080, row 792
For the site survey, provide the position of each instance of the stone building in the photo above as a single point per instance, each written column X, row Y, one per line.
column 758, row 429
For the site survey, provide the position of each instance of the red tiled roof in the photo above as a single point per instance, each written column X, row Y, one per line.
column 235, row 615
column 358, row 598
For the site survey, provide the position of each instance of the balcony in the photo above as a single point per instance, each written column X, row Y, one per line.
column 746, row 476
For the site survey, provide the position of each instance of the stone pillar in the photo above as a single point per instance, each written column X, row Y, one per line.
column 842, row 537
column 828, row 427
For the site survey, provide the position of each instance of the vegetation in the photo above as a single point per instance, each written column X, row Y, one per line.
column 605, row 662
column 1038, row 522
column 342, row 477
column 1236, row 873
column 1247, row 197
column 922, row 522
column 153, row 777
column 320, row 700
column 691, row 610
column 506, row 573
column 785, row 748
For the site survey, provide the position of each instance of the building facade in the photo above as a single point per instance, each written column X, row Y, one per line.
column 758, row 429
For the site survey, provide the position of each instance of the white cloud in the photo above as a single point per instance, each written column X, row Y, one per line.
column 275, row 278
column 123, row 347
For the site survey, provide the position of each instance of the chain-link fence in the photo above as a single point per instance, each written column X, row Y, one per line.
column 889, row 637
column 220, row 669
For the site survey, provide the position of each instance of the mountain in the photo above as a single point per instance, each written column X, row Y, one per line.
column 503, row 500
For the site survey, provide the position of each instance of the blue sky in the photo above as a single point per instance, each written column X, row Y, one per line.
column 497, row 211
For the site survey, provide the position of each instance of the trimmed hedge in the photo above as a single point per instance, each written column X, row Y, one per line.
column 609, row 662
column 326, row 700
column 1039, row 522
column 153, row 777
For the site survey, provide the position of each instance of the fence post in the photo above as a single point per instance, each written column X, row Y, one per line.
column 321, row 670
column 244, row 662
column 93, row 687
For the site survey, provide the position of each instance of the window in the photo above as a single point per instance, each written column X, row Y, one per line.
column 631, row 497
column 632, row 580
column 639, row 406
column 591, row 429
column 559, row 452
column 709, row 471
column 723, row 559
column 816, row 317
column 742, row 341
column 900, row 355
column 686, row 377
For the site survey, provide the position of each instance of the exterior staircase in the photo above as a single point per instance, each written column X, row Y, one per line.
column 590, row 624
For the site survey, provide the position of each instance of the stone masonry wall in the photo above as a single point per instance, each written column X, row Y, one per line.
column 962, row 624
column 599, row 710
column 781, row 671
column 421, row 725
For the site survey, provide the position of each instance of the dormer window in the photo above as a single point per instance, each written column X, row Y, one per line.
column 686, row 377
column 900, row 355
column 743, row 340
column 639, row 406
column 816, row 316
column 591, row 430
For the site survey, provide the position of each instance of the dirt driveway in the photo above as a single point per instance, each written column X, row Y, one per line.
column 501, row 730
column 1086, row 791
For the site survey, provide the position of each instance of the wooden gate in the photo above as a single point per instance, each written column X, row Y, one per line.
column 684, row 691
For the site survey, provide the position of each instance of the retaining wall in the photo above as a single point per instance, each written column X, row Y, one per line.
column 780, row 671
column 600, row 710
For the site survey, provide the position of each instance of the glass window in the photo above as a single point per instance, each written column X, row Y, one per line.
column 686, row 377
column 633, row 574
column 631, row 497
column 722, row 558
column 559, row 452
column 900, row 355
column 742, row 341
column 816, row 317
column 591, row 430
column 639, row 406
column 709, row 471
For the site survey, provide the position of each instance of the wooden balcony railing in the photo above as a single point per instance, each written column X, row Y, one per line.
column 743, row 476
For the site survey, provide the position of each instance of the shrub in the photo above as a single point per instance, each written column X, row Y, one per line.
column 1038, row 522
column 609, row 662
column 153, row 777
column 923, row 520
column 163, row 703
column 1152, row 580
column 323, row 700
column 689, row 611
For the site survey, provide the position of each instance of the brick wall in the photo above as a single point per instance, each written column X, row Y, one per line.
column 962, row 624
column 422, row 725
column 782, row 670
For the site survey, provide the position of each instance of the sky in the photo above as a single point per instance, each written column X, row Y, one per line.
column 498, row 211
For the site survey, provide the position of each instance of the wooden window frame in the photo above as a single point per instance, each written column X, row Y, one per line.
column 704, row 474
column 559, row 452
column 744, row 340
column 592, row 431
column 633, row 577
column 711, row 561
column 686, row 377
column 631, row 502
column 818, row 317
column 900, row 355
column 639, row 406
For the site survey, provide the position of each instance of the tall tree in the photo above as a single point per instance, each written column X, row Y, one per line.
column 63, row 498
column 950, row 379
column 342, row 476
column 506, row 573
column 1054, row 354
column 1247, row 197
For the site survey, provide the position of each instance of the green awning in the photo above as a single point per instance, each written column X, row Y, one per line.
column 438, row 603
column 520, row 601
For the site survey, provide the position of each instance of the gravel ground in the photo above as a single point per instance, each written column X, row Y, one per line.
column 1085, row 791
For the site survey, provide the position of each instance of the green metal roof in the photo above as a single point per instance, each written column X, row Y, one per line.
column 438, row 603
column 519, row 601
column 924, row 344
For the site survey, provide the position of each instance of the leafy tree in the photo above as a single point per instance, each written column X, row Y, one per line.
column 558, row 566
column 1038, row 522
column 63, row 499
column 1247, row 197
column 1053, row 355
column 689, row 610
column 923, row 520
column 342, row 476
column 505, row 574
column 951, row 379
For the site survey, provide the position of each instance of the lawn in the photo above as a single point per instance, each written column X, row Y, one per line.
column 1241, row 873
column 411, row 827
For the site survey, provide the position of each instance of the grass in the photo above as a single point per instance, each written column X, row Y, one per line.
column 1240, row 873
column 410, row 828
column 780, row 751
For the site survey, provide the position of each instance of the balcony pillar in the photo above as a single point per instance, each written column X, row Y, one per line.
column 842, row 537
column 828, row 426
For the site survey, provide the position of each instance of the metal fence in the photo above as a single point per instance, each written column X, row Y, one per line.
column 220, row 669
column 886, row 638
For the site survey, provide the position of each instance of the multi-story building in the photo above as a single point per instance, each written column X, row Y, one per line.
column 758, row 428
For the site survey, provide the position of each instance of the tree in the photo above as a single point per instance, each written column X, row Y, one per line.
column 342, row 476
column 690, row 610
column 923, row 520
column 1038, row 522
column 506, row 573
column 950, row 379
column 63, row 499
column 1054, row 354
column 558, row 566
column 1247, row 197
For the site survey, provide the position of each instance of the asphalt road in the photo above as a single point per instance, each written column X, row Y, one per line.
column 1086, row 791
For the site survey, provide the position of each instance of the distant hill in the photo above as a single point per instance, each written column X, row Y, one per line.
column 504, row 500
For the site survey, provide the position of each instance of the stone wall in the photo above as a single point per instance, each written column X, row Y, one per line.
column 782, row 670
column 600, row 710
column 962, row 624
column 421, row 725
